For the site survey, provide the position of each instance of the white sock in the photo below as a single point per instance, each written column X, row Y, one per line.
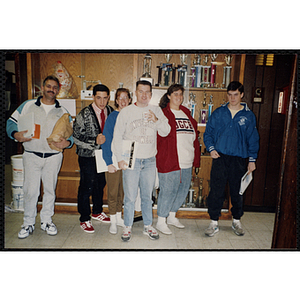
column 161, row 220
column 172, row 215
column 214, row 222
column 119, row 215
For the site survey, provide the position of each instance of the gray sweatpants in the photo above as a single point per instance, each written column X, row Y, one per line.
column 35, row 170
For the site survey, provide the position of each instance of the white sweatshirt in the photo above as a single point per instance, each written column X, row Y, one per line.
column 185, row 136
column 132, row 126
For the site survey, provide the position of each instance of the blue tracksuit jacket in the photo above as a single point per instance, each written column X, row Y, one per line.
column 236, row 136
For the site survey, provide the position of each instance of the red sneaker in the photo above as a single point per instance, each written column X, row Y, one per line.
column 101, row 217
column 87, row 227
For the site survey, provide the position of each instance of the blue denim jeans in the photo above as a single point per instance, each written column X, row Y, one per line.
column 143, row 177
column 173, row 189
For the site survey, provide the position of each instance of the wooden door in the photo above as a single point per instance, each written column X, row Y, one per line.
column 261, row 194
column 285, row 231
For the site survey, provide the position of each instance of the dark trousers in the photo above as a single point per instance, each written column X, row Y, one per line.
column 91, row 184
column 225, row 169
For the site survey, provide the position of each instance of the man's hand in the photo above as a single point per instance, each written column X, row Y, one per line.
column 122, row 165
column 214, row 154
column 62, row 144
column 251, row 167
column 19, row 136
column 112, row 169
column 152, row 116
column 100, row 139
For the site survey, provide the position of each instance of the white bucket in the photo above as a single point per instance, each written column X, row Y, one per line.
column 17, row 169
column 17, row 196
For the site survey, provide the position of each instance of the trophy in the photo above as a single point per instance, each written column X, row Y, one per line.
column 190, row 197
column 203, row 117
column 182, row 70
column 169, row 72
column 168, row 57
column 203, row 113
column 210, row 105
column 200, row 194
column 159, row 74
column 192, row 76
column 147, row 69
column 213, row 70
column 205, row 72
column 192, row 104
column 227, row 71
column 204, row 100
column 200, row 142
column 198, row 70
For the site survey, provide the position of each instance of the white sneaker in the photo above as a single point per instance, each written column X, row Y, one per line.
column 50, row 228
column 25, row 231
column 237, row 227
column 126, row 235
column 151, row 232
column 162, row 226
column 175, row 222
column 212, row 229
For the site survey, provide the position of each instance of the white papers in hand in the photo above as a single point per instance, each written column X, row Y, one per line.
column 26, row 122
column 100, row 162
column 129, row 150
column 245, row 181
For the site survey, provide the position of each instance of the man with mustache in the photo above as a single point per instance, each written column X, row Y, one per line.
column 39, row 160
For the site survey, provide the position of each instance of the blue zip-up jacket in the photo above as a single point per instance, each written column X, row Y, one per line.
column 47, row 123
column 108, row 132
column 236, row 136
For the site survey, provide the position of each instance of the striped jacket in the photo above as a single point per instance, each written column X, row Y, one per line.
column 85, row 131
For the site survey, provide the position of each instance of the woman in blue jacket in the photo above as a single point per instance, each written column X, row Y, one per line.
column 113, row 177
column 232, row 139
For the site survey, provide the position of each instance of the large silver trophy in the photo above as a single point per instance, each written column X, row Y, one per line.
column 182, row 70
column 168, row 72
column 227, row 71
column 198, row 70
column 147, row 69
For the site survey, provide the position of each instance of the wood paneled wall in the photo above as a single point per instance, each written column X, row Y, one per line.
column 110, row 69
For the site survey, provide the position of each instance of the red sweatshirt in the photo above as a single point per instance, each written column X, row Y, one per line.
column 167, row 157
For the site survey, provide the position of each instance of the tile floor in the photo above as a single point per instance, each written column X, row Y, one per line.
column 258, row 228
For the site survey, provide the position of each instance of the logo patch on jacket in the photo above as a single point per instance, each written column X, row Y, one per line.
column 242, row 121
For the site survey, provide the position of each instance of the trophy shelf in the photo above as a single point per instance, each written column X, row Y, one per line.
column 193, row 89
